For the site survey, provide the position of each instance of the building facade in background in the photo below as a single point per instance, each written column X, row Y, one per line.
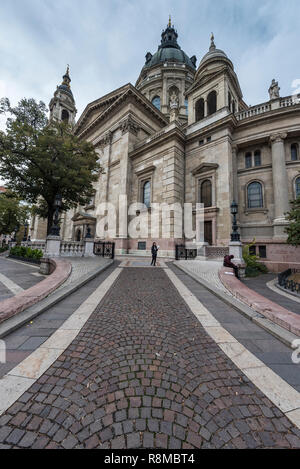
column 183, row 134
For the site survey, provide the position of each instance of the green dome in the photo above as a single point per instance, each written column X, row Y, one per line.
column 169, row 51
column 169, row 54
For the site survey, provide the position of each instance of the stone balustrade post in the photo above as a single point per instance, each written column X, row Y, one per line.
column 52, row 246
column 89, row 247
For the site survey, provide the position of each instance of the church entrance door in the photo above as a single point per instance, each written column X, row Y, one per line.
column 208, row 232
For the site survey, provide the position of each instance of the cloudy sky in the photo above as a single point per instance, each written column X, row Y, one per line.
column 105, row 42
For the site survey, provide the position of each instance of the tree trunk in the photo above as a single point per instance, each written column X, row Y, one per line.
column 50, row 219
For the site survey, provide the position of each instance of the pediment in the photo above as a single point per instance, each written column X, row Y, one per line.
column 83, row 216
column 204, row 168
column 97, row 111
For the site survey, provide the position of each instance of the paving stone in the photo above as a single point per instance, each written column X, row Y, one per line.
column 133, row 440
column 143, row 373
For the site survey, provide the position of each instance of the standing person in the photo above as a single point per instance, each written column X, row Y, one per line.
column 154, row 251
column 228, row 263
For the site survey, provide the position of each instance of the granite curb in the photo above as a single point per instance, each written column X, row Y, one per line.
column 27, row 298
column 30, row 313
column 269, row 309
column 277, row 331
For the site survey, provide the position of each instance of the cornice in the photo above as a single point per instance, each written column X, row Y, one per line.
column 162, row 137
column 204, row 168
column 149, row 169
column 228, row 121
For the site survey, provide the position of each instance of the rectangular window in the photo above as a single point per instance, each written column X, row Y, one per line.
column 257, row 158
column 248, row 160
column 142, row 246
column 252, row 250
column 201, row 142
column 263, row 252
column 208, row 139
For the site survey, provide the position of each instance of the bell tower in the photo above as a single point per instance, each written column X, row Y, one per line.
column 62, row 105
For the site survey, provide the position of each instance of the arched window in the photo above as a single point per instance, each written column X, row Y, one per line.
column 294, row 152
column 211, row 103
column 156, row 102
column 65, row 116
column 186, row 104
column 257, row 158
column 199, row 110
column 147, row 194
column 229, row 100
column 248, row 160
column 206, row 193
column 297, row 187
column 255, row 195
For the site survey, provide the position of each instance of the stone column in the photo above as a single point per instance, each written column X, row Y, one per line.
column 280, row 184
column 235, row 192
column 205, row 108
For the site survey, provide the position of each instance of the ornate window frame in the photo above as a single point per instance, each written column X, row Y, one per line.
column 294, row 186
column 263, row 209
column 145, row 175
column 201, row 173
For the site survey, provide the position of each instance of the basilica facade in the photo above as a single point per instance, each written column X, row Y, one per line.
column 184, row 134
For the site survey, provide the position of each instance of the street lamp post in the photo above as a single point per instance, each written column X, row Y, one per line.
column 25, row 231
column 55, row 229
column 235, row 236
column 88, row 233
column 15, row 234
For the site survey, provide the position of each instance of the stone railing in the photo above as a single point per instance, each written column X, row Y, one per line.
column 72, row 248
column 289, row 101
column 253, row 111
column 37, row 245
column 216, row 252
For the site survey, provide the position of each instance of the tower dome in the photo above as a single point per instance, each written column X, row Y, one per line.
column 167, row 75
column 212, row 57
column 62, row 105
column 169, row 50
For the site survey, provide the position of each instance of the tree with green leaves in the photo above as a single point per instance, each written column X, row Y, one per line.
column 293, row 228
column 13, row 213
column 41, row 159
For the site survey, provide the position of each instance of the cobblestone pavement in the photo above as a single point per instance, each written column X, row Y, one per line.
column 143, row 373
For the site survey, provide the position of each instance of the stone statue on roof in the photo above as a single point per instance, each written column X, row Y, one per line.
column 274, row 90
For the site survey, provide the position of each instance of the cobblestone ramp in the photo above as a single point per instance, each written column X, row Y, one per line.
column 144, row 373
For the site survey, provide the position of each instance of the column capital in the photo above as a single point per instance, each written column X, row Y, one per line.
column 234, row 148
column 278, row 137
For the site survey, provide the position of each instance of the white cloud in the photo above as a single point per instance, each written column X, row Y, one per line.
column 105, row 42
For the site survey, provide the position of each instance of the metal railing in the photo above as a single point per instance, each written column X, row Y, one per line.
column 181, row 252
column 287, row 283
column 104, row 249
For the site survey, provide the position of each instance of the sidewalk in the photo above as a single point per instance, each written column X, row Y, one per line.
column 207, row 273
column 143, row 372
column 259, row 284
column 83, row 270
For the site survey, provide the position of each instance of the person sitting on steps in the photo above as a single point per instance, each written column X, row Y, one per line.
column 228, row 263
